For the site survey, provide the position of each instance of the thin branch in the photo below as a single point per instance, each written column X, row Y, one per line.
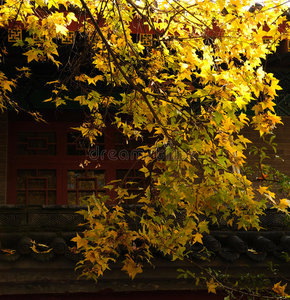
column 18, row 12
column 127, row 78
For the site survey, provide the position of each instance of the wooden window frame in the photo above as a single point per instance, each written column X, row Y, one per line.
column 61, row 162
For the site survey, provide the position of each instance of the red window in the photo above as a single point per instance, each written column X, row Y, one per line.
column 52, row 164
column 36, row 186
column 82, row 183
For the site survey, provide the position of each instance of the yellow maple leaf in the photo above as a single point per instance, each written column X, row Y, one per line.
column 244, row 140
column 7, row 85
column 8, row 251
column 203, row 227
column 211, row 286
column 262, row 189
column 284, row 204
column 32, row 55
column 197, row 238
column 243, row 118
column 131, row 267
column 81, row 242
column 280, row 289
column 36, row 250
column 61, row 29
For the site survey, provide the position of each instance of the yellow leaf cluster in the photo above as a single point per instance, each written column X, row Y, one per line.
column 188, row 82
column 280, row 289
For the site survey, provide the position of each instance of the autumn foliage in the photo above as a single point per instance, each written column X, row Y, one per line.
column 192, row 89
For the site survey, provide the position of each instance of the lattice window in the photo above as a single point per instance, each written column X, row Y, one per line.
column 84, row 183
column 36, row 143
column 45, row 159
column 80, row 146
column 36, row 186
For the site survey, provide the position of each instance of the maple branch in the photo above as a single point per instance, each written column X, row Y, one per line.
column 127, row 78
column 18, row 12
